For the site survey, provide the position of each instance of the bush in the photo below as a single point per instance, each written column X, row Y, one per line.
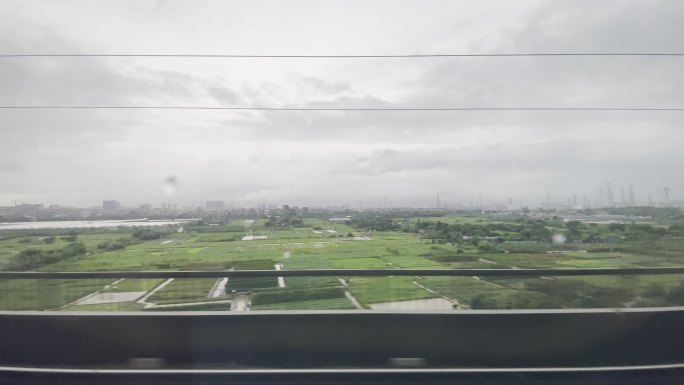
column 71, row 236
column 72, row 249
column 33, row 258
column 147, row 234
column 118, row 245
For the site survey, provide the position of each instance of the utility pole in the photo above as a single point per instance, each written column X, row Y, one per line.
column 667, row 197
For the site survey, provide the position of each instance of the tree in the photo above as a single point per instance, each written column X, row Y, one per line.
column 146, row 234
column 71, row 236
column 574, row 232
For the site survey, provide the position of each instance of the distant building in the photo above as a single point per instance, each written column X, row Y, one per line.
column 110, row 206
column 215, row 205
column 286, row 210
column 23, row 209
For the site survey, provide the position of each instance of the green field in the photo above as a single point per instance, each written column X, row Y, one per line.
column 386, row 289
column 33, row 294
column 402, row 243
column 320, row 304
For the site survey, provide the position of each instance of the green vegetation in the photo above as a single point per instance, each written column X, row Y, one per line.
column 33, row 294
column 386, row 289
column 424, row 240
column 218, row 306
column 33, row 258
column 184, row 290
column 321, row 304
column 147, row 234
column 117, row 306
column 295, row 295
column 129, row 284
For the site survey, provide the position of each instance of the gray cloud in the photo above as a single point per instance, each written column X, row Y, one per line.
column 81, row 157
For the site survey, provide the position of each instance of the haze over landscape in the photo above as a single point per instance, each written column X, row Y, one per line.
column 80, row 157
column 341, row 191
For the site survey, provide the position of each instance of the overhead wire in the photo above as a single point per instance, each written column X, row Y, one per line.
column 266, row 108
column 253, row 108
column 272, row 56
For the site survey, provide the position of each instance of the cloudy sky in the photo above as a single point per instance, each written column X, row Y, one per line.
column 80, row 157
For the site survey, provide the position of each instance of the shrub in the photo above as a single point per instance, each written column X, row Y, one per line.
column 147, row 234
column 33, row 258
column 118, row 245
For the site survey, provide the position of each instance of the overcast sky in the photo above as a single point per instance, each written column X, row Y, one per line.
column 80, row 157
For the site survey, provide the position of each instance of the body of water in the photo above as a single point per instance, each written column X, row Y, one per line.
column 87, row 224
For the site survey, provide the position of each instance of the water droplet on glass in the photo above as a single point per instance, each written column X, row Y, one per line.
column 169, row 185
column 558, row 239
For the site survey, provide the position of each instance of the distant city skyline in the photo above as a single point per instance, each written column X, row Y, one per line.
column 604, row 198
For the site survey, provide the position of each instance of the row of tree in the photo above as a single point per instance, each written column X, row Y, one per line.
column 521, row 229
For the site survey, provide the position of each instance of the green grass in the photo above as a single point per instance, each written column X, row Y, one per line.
column 359, row 263
column 183, row 290
column 311, row 282
column 253, row 264
column 462, row 289
column 588, row 263
column 119, row 306
column 284, row 295
column 411, row 262
column 250, row 284
column 11, row 246
column 33, row 294
column 386, row 289
column 129, row 284
column 321, row 304
column 202, row 307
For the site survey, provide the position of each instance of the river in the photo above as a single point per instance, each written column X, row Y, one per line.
column 87, row 224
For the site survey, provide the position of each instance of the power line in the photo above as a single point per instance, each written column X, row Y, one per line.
column 340, row 108
column 240, row 56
